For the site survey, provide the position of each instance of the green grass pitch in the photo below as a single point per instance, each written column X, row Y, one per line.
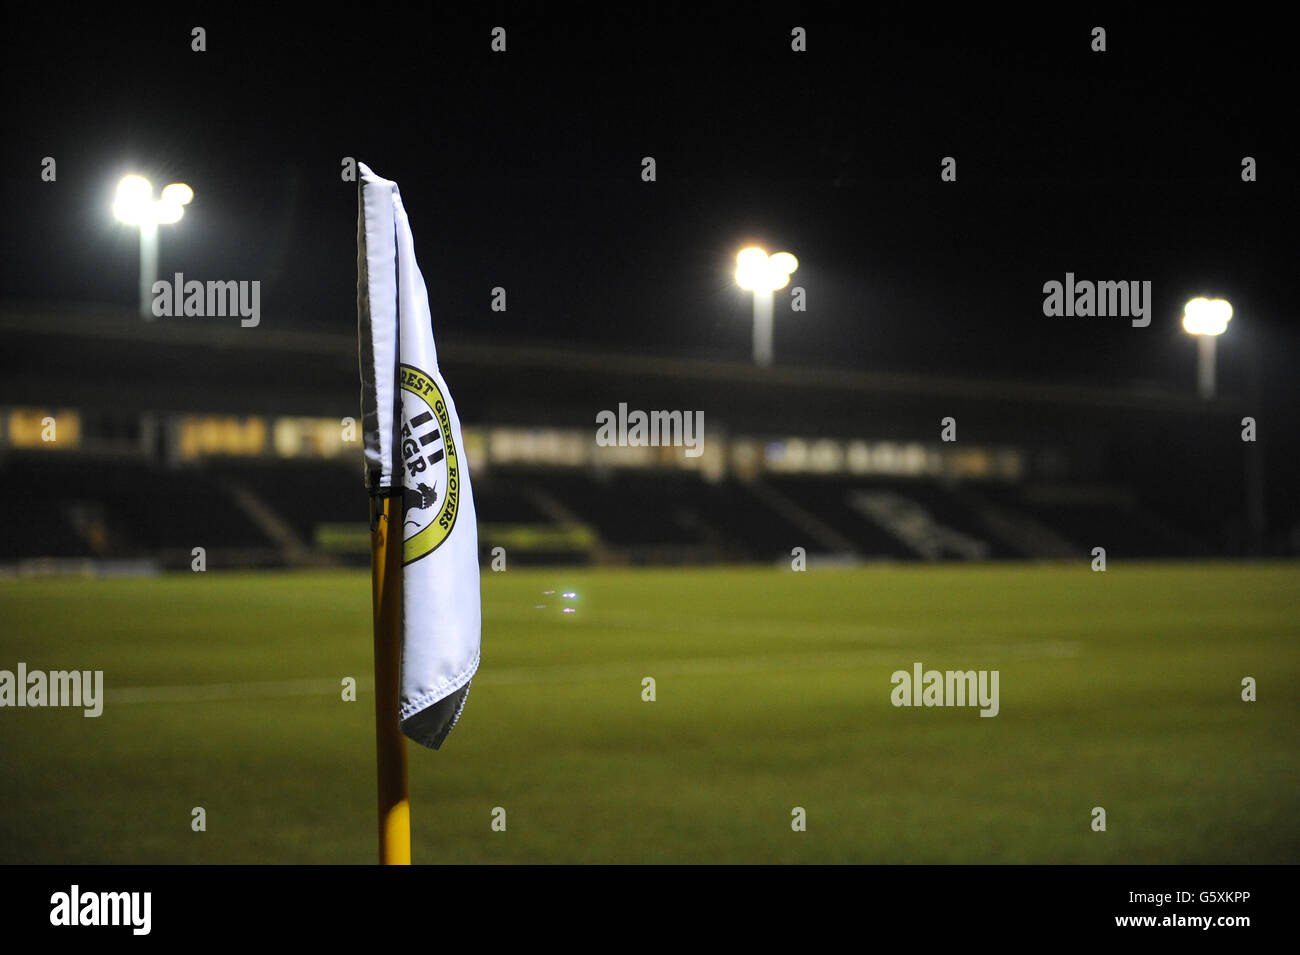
column 1119, row 689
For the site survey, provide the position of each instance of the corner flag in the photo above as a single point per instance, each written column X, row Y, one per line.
column 416, row 471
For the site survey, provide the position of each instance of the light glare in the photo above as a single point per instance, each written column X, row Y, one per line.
column 756, row 272
column 135, row 205
column 167, row 213
column 134, row 198
column 1204, row 316
column 177, row 193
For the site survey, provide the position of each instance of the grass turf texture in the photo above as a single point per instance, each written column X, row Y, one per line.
column 1119, row 690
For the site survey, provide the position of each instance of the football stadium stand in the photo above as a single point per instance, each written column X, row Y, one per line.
column 130, row 441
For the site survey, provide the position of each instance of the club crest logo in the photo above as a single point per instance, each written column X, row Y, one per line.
column 431, row 476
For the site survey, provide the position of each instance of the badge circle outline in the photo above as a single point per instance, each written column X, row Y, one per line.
column 426, row 541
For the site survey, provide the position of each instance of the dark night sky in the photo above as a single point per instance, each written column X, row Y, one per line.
column 522, row 170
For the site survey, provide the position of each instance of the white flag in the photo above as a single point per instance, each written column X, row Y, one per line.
column 413, row 448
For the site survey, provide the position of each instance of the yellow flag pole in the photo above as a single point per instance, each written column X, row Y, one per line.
column 390, row 744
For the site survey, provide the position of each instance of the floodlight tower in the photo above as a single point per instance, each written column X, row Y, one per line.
column 1207, row 319
column 135, row 205
column 762, row 274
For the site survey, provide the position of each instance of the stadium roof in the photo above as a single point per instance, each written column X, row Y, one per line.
column 73, row 355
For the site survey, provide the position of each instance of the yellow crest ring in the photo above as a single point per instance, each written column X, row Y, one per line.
column 428, row 539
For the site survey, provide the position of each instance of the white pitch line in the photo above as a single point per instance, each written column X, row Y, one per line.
column 206, row 692
column 582, row 672
column 703, row 666
column 698, row 666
